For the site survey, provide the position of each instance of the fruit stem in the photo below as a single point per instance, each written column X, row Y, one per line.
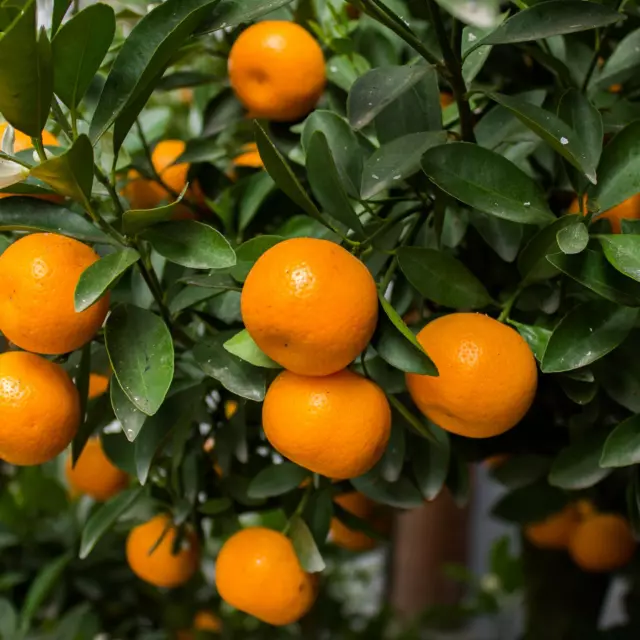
column 508, row 305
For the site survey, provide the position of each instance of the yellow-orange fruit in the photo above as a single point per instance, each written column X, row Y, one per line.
column 40, row 273
column 555, row 531
column 39, row 409
column 487, row 380
column 249, row 157
column 259, row 573
column 310, row 306
column 362, row 507
column 627, row 210
column 98, row 385
column 276, row 69
column 203, row 621
column 335, row 425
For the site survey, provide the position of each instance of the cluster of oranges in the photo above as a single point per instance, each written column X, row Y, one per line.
column 597, row 542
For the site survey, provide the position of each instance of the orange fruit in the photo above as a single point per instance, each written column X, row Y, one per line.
column 341, row 535
column 627, row 210
column 615, row 88
column 98, row 385
column 203, row 621
column 603, row 542
column 258, row 572
column 249, row 157
column 39, row 277
column 162, row 567
column 446, row 99
column 335, row 425
column 230, row 408
column 310, row 306
column 487, row 380
column 39, row 409
column 555, row 531
column 94, row 474
column 277, row 71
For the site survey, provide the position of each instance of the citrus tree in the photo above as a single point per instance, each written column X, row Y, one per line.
column 270, row 269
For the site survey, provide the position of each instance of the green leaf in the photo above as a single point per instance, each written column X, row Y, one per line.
column 586, row 333
column 622, row 448
column 140, row 350
column 191, row 244
column 536, row 337
column 26, row 74
column 257, row 189
column 396, row 160
column 319, row 513
column 146, row 53
column 248, row 253
column 521, row 470
column 556, row 133
column 136, row 220
column 578, row 465
column 97, row 279
column 619, row 373
column 279, row 169
column 487, row 181
column 532, row 261
column 481, row 14
column 244, row 347
column 548, row 19
column 591, row 270
column 8, row 620
column 231, row 13
column 619, row 169
column 305, row 546
column 326, row 185
column 503, row 236
column 623, row 252
column 234, row 374
column 41, row 588
column 378, row 88
column 431, row 463
column 126, row 412
column 573, row 239
column 623, row 63
column 392, row 461
column 103, row 518
column 70, row 173
column 397, row 344
column 402, row 494
column 31, row 214
column 60, row 8
column 532, row 503
column 215, row 506
column 120, row 451
column 441, row 278
column 474, row 62
column 79, row 49
column 276, row 480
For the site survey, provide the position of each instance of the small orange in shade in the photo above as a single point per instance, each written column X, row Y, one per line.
column 488, row 375
column 250, row 157
column 40, row 273
column 602, row 543
column 277, row 71
column 230, row 409
column 555, row 531
column 162, row 567
column 335, row 425
column 258, row 572
column 310, row 305
column 98, row 385
column 39, row 409
column 203, row 621
column 94, row 474
column 341, row 535
column 615, row 88
column 627, row 210
column 446, row 99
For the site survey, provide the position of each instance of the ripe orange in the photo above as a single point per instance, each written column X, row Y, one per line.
column 203, row 621
column 554, row 532
column 98, row 385
column 39, row 277
column 603, row 542
column 629, row 210
column 310, row 306
column 259, row 573
column 94, row 474
column 335, row 425
column 39, row 409
column 249, row 157
column 341, row 535
column 487, row 380
column 162, row 567
column 276, row 69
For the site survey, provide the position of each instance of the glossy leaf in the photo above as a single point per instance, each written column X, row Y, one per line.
column 305, row 546
column 402, row 494
column 578, row 465
column 531, row 503
column 105, row 517
column 441, row 278
column 521, row 470
column 487, row 181
column 623, row 252
column 622, row 448
column 215, row 506
column 8, row 619
column 71, row 173
column 130, row 417
column 60, row 8
column 573, row 239
column 277, row 480
column 243, row 346
column 248, row 253
column 79, row 49
column 474, row 62
column 587, row 333
column 234, row 374
column 396, row 161
column 191, row 244
column 554, row 131
column 140, row 350
column 623, row 63
column 231, row 13
column 136, row 220
column 97, row 279
column 431, row 463
column 619, row 373
column 26, row 73
column 503, row 236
